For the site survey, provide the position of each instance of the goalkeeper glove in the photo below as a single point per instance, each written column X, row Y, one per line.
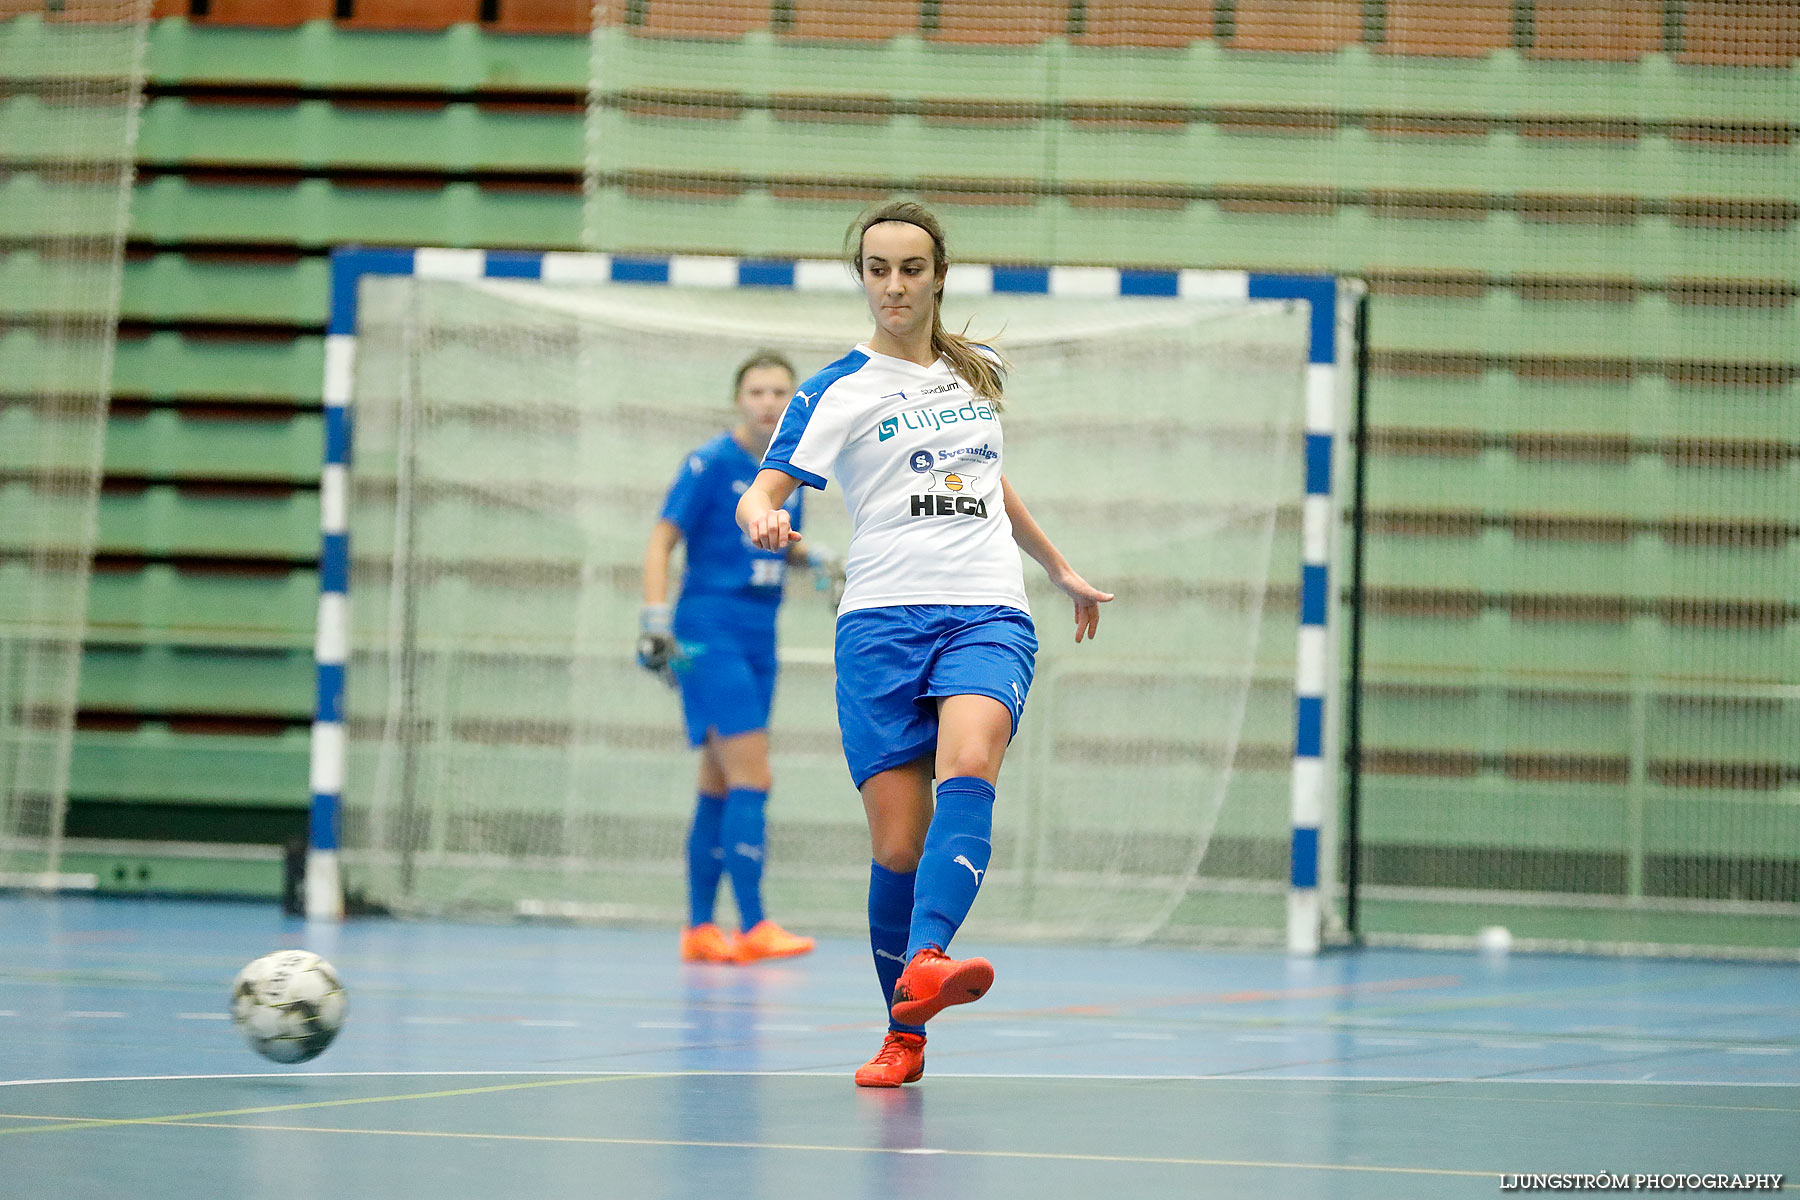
column 827, row 572
column 656, row 645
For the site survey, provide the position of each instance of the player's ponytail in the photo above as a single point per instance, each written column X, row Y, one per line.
column 981, row 367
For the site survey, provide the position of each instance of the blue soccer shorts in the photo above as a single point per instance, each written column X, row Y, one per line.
column 892, row 663
column 727, row 681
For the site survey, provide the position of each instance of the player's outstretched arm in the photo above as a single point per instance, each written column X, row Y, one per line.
column 1035, row 542
column 760, row 513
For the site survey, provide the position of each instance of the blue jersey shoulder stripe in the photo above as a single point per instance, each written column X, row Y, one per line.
column 799, row 412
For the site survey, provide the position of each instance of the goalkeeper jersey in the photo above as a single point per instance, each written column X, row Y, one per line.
column 726, row 575
column 918, row 457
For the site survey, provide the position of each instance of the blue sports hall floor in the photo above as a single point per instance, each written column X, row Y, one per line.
column 500, row 1061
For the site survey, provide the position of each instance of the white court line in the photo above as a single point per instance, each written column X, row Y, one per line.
column 665, row 1025
column 783, row 1028
column 433, row 1020
column 1143, row 1037
column 1235, row 1077
column 7, row 1012
column 1023, row 1033
column 93, row 1015
column 203, row 1016
column 551, row 1024
column 1760, row 1050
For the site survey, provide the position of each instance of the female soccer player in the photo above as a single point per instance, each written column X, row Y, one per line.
column 719, row 650
column 935, row 645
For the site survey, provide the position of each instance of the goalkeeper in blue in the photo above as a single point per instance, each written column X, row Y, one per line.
column 717, row 647
column 935, row 643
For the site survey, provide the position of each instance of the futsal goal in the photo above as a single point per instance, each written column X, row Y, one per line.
column 485, row 742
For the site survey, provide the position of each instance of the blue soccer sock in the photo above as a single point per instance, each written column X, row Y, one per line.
column 890, row 917
column 706, row 858
column 956, row 854
column 741, row 834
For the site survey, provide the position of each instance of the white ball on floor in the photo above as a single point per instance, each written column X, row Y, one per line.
column 288, row 1005
column 1494, row 939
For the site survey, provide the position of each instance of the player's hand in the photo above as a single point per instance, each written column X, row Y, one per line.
column 1088, row 600
column 772, row 530
column 657, row 648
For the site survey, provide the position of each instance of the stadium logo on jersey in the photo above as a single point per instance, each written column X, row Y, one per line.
column 928, row 417
column 920, row 461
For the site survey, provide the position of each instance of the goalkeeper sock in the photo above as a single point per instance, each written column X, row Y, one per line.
column 706, row 858
column 741, row 834
column 956, row 854
column 890, row 917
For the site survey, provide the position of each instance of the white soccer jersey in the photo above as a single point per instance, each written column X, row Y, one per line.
column 918, row 457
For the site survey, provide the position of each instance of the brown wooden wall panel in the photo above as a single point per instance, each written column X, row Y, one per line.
column 1168, row 24
column 1597, row 30
column 543, row 16
column 1448, row 28
column 269, row 14
column 1296, row 26
column 982, row 22
column 1740, row 33
column 716, row 19
column 852, row 20
column 410, row 14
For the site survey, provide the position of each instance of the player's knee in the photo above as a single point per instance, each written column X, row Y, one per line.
column 712, row 781
column 971, row 759
column 899, row 855
column 756, row 778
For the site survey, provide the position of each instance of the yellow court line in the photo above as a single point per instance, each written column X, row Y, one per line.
column 184, row 1118
column 674, row 1143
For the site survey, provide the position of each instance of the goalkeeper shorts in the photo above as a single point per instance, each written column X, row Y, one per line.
column 727, row 682
column 894, row 663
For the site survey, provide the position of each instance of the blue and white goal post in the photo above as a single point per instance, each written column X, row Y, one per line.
column 1330, row 382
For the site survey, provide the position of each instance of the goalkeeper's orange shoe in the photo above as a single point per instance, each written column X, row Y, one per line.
column 901, row 1059
column 706, row 944
column 766, row 939
column 933, row 982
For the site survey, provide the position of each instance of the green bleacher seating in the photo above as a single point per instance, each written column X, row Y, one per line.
column 1572, row 374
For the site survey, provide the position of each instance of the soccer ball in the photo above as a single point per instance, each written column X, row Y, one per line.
column 288, row 1005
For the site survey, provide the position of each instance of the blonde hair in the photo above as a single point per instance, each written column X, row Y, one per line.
column 966, row 356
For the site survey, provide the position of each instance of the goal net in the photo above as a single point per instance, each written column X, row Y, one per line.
column 71, row 76
column 514, row 440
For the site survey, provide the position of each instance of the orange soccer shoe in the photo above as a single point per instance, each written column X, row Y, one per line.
column 901, row 1059
column 933, row 982
column 706, row 944
column 766, row 939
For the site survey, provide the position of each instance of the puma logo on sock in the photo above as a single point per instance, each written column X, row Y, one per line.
column 978, row 872
column 895, row 957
